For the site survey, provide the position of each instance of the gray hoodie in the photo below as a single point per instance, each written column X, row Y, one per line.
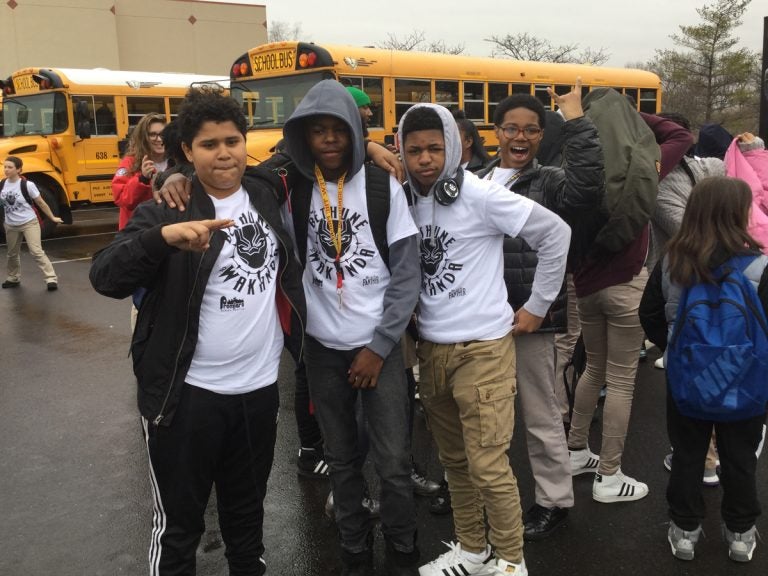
column 330, row 98
column 452, row 143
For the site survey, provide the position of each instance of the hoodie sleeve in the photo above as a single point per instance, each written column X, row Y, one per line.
column 673, row 140
column 401, row 295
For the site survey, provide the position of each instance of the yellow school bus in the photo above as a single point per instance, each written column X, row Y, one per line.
column 270, row 80
column 66, row 124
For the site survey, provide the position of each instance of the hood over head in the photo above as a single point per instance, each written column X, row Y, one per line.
column 329, row 98
column 452, row 142
column 713, row 141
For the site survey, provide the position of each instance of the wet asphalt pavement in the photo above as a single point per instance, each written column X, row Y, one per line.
column 74, row 491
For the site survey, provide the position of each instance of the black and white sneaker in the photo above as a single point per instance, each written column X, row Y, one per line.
column 456, row 562
column 617, row 488
column 311, row 463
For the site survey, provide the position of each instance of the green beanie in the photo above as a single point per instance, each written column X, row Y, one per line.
column 361, row 98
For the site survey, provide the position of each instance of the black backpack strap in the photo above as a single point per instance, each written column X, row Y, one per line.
column 25, row 193
column 377, row 200
column 301, row 201
column 688, row 171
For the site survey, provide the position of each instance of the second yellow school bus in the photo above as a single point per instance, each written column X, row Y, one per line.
column 66, row 123
column 270, row 80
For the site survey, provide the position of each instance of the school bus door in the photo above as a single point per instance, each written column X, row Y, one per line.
column 97, row 154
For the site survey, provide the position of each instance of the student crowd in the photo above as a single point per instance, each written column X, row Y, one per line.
column 337, row 251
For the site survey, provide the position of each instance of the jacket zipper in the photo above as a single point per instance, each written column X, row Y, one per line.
column 160, row 415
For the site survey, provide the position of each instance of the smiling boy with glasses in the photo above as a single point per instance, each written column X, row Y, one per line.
column 573, row 192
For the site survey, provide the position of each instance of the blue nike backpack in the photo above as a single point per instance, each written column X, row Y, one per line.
column 717, row 360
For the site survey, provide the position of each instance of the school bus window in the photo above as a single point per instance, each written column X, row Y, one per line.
column 521, row 88
column 447, row 93
column 409, row 92
column 268, row 102
column 632, row 92
column 474, row 101
column 619, row 90
column 173, row 106
column 496, row 93
column 648, row 101
column 543, row 96
column 34, row 114
column 141, row 106
column 372, row 87
column 562, row 89
column 105, row 115
column 584, row 91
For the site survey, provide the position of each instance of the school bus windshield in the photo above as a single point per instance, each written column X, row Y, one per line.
column 269, row 102
column 35, row 114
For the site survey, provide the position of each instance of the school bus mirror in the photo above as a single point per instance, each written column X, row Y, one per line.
column 22, row 116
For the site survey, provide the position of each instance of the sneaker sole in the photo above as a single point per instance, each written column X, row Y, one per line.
column 680, row 554
column 739, row 557
column 614, row 499
column 312, row 474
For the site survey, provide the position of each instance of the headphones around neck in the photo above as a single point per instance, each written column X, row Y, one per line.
column 447, row 190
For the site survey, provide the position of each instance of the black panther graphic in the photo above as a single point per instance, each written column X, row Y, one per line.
column 432, row 255
column 326, row 241
column 251, row 245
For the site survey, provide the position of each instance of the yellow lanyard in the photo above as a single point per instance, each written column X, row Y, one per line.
column 334, row 229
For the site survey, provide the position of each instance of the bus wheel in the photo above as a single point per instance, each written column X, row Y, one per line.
column 47, row 227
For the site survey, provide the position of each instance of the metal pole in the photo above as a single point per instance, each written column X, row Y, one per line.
column 764, row 85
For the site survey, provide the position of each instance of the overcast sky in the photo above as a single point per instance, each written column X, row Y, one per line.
column 629, row 30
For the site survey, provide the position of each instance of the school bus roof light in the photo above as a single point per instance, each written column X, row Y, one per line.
column 241, row 68
column 307, row 59
column 6, row 87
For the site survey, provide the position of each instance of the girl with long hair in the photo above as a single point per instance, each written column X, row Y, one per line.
column 713, row 230
column 132, row 183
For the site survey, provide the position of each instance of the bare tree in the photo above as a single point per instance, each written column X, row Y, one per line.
column 416, row 41
column 281, row 31
column 711, row 79
column 524, row 46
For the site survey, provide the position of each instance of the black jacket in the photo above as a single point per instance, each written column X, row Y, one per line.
column 167, row 327
column 574, row 193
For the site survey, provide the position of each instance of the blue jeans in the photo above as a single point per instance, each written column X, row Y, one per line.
column 385, row 409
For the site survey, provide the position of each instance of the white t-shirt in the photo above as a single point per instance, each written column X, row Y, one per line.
column 463, row 295
column 365, row 276
column 17, row 210
column 239, row 339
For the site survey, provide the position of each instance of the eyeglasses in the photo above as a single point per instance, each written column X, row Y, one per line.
column 155, row 135
column 530, row 132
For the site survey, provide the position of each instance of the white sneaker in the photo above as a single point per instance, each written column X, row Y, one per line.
column 659, row 363
column 583, row 461
column 682, row 542
column 455, row 562
column 741, row 545
column 617, row 488
column 508, row 568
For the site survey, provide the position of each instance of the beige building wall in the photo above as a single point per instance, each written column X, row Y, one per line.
column 152, row 35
